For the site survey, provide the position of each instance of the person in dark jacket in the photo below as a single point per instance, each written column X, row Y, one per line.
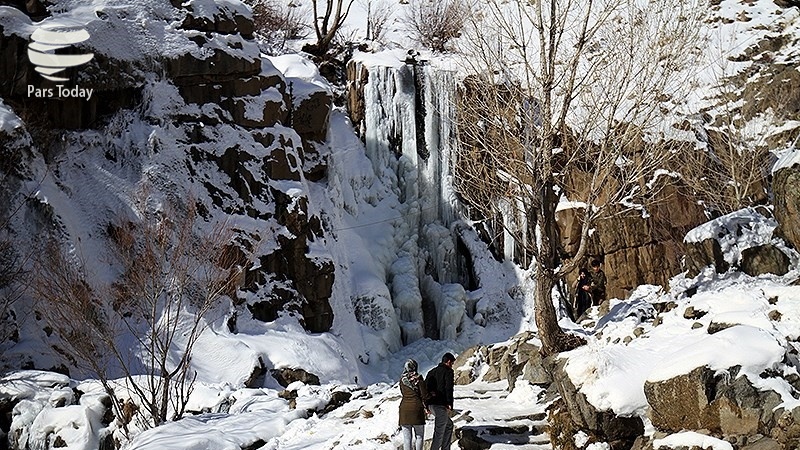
column 583, row 295
column 439, row 382
column 598, row 283
column 412, row 406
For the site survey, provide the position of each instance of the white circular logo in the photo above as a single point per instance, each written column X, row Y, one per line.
column 41, row 52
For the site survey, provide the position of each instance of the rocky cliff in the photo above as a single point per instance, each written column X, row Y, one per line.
column 184, row 105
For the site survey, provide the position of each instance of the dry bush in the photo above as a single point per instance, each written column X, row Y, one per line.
column 378, row 14
column 13, row 273
column 12, row 287
column 277, row 22
column 143, row 326
column 434, row 23
column 730, row 173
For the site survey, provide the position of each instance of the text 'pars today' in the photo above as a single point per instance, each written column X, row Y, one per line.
column 60, row 91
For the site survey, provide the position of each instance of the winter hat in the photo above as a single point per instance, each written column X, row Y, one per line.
column 410, row 366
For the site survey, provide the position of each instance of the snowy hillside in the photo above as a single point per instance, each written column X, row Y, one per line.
column 330, row 245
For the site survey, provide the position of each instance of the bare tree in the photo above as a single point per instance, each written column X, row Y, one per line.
column 563, row 103
column 378, row 14
column 14, row 280
column 731, row 171
column 328, row 20
column 434, row 23
column 144, row 325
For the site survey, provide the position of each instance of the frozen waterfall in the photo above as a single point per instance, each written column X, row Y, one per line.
column 409, row 133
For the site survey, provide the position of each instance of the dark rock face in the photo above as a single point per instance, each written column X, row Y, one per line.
column 786, row 186
column 646, row 251
column 764, row 259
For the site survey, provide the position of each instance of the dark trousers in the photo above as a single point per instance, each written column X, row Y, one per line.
column 442, row 428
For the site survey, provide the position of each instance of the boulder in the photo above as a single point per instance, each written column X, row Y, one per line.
column 468, row 363
column 576, row 413
column 507, row 361
column 764, row 259
column 703, row 399
column 287, row 376
column 699, row 255
column 786, row 194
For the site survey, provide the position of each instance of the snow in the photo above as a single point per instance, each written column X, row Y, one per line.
column 301, row 74
column 753, row 347
column 9, row 121
column 691, row 439
column 735, row 232
column 790, row 158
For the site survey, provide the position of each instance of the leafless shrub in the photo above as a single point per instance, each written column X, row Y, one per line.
column 12, row 287
column 13, row 270
column 732, row 171
column 277, row 22
column 378, row 14
column 144, row 325
column 434, row 23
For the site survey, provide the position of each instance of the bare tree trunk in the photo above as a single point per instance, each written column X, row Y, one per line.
column 553, row 338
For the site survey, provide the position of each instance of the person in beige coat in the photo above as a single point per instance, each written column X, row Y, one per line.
column 412, row 406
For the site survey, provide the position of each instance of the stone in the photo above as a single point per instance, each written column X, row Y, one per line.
column 715, row 327
column 692, row 313
column 700, row 255
column 605, row 425
column 763, row 444
column 287, row 376
column 224, row 22
column 764, row 259
column 722, row 403
column 310, row 115
column 467, row 365
column 338, row 398
column 358, row 76
column 678, row 403
column 188, row 69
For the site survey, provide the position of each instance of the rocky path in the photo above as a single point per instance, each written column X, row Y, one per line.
column 488, row 419
column 487, row 416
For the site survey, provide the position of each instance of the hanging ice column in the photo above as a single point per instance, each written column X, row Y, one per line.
column 408, row 129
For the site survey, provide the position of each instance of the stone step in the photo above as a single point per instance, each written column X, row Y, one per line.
column 497, row 437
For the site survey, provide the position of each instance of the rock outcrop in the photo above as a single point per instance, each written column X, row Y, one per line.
column 636, row 250
column 575, row 413
column 786, row 187
column 724, row 404
column 740, row 240
column 517, row 359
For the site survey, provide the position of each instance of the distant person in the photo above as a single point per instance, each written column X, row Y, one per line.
column 440, row 389
column 583, row 293
column 412, row 406
column 598, row 283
